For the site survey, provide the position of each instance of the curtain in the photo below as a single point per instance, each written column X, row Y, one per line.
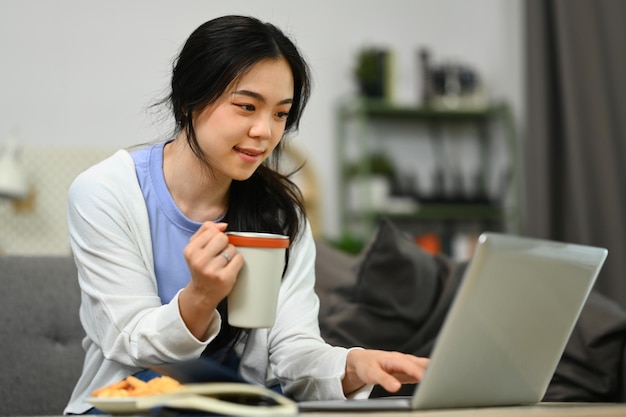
column 575, row 142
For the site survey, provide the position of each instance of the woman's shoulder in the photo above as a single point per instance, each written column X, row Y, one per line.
column 116, row 172
column 119, row 160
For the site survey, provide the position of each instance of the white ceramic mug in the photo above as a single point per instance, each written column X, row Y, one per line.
column 253, row 300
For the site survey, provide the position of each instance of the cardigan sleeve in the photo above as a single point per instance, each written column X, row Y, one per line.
column 305, row 365
column 110, row 239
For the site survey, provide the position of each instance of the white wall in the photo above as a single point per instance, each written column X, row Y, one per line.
column 83, row 73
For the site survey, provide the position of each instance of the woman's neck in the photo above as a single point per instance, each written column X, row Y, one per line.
column 199, row 194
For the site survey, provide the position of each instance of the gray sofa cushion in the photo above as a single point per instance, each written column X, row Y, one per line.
column 333, row 271
column 392, row 296
column 40, row 354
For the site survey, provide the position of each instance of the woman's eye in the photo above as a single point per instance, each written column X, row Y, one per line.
column 247, row 107
column 282, row 114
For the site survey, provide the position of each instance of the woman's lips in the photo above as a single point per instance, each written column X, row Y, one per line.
column 251, row 155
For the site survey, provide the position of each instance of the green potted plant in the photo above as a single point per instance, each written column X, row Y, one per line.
column 371, row 72
column 375, row 164
column 370, row 182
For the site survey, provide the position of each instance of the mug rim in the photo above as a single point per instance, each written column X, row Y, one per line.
column 258, row 239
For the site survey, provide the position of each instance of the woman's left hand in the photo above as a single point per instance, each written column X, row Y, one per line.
column 387, row 369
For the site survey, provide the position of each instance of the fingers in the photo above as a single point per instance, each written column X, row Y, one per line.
column 226, row 255
column 387, row 381
column 407, row 368
column 207, row 231
column 230, row 258
column 207, row 243
column 412, row 370
column 398, row 368
column 387, row 369
column 213, row 262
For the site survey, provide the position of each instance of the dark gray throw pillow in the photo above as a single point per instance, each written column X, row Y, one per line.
column 394, row 289
column 395, row 277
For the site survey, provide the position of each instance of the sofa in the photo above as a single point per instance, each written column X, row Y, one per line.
column 40, row 353
column 392, row 295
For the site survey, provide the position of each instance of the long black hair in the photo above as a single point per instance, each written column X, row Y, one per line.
column 218, row 53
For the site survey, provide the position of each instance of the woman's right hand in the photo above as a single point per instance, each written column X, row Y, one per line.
column 213, row 276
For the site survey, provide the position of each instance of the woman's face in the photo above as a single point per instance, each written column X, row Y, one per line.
column 242, row 128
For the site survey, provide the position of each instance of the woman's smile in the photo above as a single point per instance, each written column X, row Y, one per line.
column 249, row 154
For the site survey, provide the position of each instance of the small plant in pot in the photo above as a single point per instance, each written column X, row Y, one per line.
column 371, row 72
column 375, row 164
column 371, row 180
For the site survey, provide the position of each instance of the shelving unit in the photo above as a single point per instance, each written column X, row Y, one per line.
column 443, row 216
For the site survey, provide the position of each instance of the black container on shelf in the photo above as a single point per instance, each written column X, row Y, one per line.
column 372, row 72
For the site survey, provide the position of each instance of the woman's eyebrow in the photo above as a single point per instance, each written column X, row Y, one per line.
column 260, row 97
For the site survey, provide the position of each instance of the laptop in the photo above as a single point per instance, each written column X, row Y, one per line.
column 506, row 329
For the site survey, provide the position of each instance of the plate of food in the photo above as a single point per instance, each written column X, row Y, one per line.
column 121, row 397
column 132, row 395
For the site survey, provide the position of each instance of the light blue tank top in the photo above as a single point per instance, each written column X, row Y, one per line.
column 169, row 228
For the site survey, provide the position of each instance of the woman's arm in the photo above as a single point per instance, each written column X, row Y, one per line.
column 110, row 237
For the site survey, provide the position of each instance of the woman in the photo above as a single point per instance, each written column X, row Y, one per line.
column 147, row 231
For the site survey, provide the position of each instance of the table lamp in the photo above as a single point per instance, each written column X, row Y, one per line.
column 13, row 182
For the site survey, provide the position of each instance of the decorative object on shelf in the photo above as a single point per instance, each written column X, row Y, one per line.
column 430, row 242
column 13, row 181
column 450, row 85
column 373, row 72
column 371, row 181
column 428, row 90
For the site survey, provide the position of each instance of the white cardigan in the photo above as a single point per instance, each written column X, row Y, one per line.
column 127, row 328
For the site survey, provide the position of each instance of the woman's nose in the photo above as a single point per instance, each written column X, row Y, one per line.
column 261, row 128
